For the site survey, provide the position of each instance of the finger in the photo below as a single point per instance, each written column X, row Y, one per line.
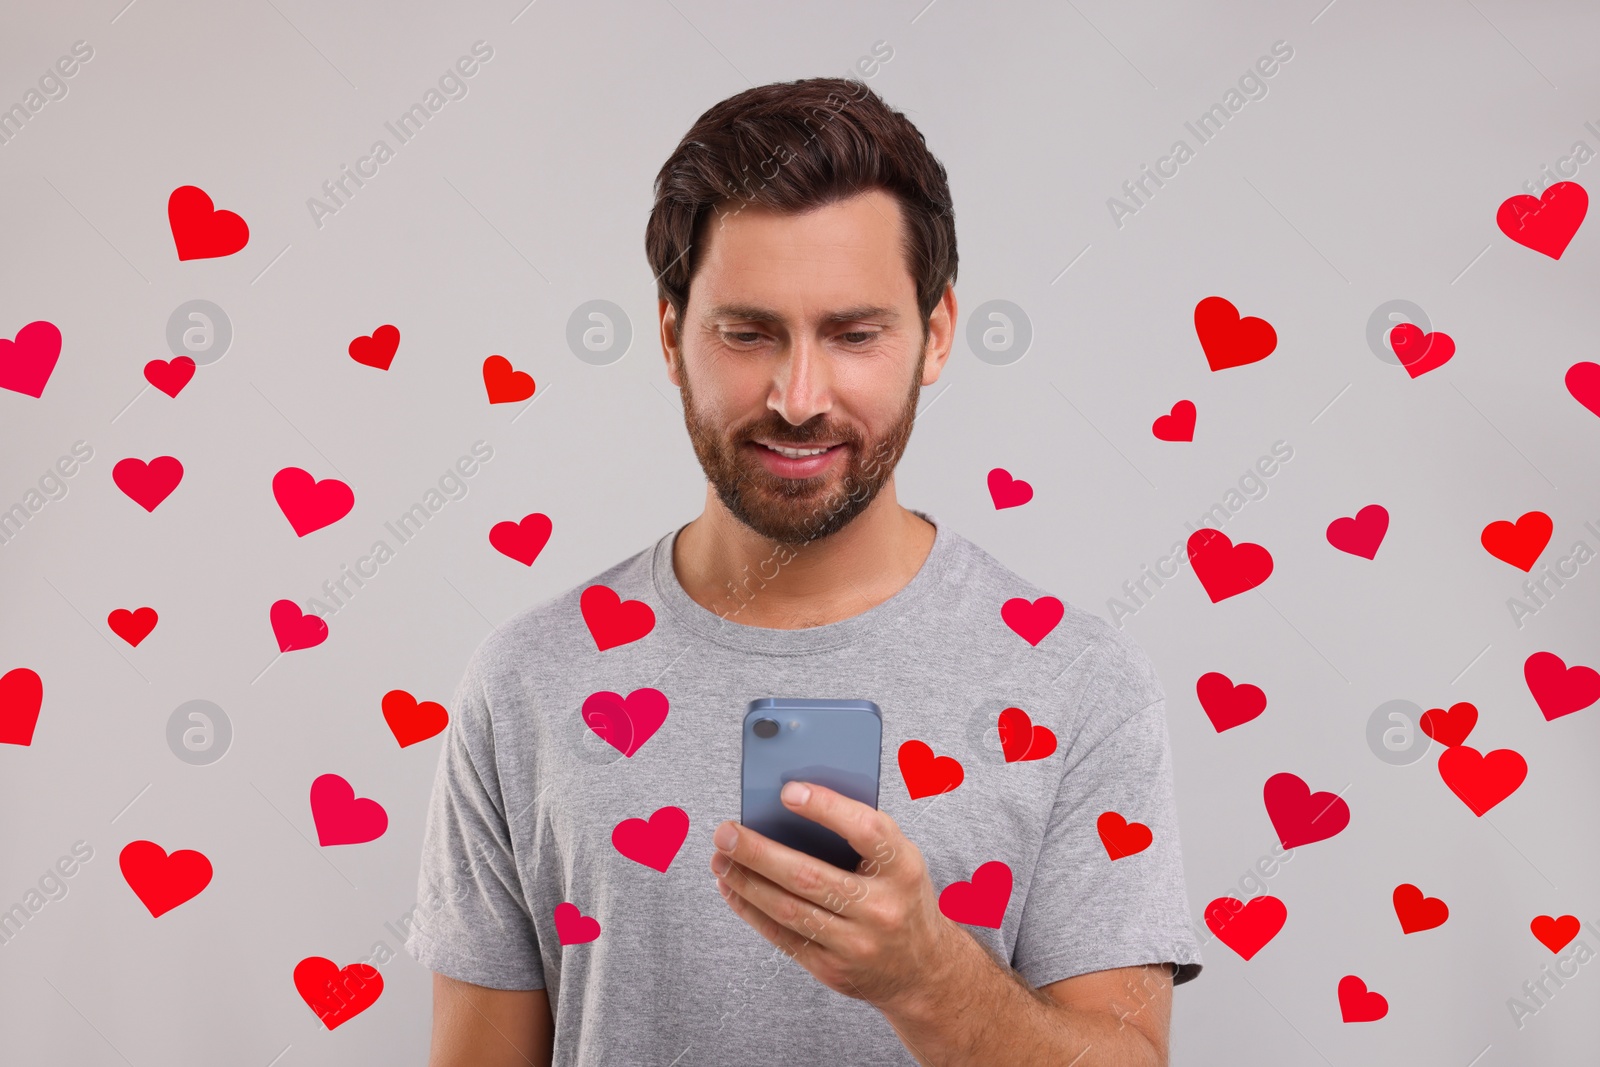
column 805, row 918
column 817, row 881
column 874, row 835
column 774, row 932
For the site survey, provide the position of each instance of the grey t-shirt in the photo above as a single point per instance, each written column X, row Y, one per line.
column 527, row 795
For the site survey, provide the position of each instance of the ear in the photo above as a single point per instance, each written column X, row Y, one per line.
column 941, row 336
column 670, row 345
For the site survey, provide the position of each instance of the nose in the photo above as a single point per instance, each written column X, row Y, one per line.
column 802, row 385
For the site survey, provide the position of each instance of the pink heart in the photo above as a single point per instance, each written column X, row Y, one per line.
column 26, row 363
column 309, row 504
column 342, row 818
column 147, row 484
column 169, row 375
column 1300, row 816
column 1006, row 491
column 573, row 927
column 1583, row 382
column 1361, row 535
column 295, row 629
column 654, row 843
column 1178, row 426
column 521, row 541
column 1032, row 620
column 626, row 723
column 1557, row 688
column 982, row 901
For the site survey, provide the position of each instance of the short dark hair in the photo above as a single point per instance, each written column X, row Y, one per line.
column 794, row 146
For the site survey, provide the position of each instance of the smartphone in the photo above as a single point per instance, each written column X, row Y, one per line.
column 836, row 743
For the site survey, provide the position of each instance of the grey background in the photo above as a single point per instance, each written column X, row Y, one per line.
column 1371, row 171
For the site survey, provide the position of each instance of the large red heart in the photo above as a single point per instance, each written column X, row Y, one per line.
column 1583, row 382
column 1417, row 912
column 982, row 901
column 1518, row 543
column 410, row 720
column 1006, row 491
column 132, row 626
column 1361, row 535
column 337, row 994
column 522, row 541
column 378, row 349
column 1450, row 728
column 1021, row 740
column 1178, row 426
column 1228, row 705
column 1246, row 928
column 162, row 881
column 926, row 774
column 1553, row 933
column 573, row 927
column 1228, row 340
column 613, row 621
column 201, row 231
column 1546, row 223
column 1224, row 568
column 1557, row 688
column 308, row 504
column 654, row 843
column 626, row 723
column 294, row 629
column 1300, row 816
column 1481, row 779
column 21, row 697
column 1121, row 837
column 1420, row 352
column 147, row 484
column 343, row 818
column 27, row 362
column 169, row 375
column 1032, row 620
column 505, row 385
column 1358, row 1004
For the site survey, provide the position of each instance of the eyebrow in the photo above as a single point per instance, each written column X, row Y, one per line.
column 756, row 313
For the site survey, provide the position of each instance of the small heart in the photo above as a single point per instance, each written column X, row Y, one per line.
column 1553, row 933
column 1546, row 223
column 505, row 385
column 342, row 818
column 982, row 901
column 1021, row 740
column 147, row 484
column 1557, row 688
column 1420, row 352
column 294, row 629
column 1518, row 543
column 626, row 723
column 925, row 774
column 1358, row 1004
column 1450, row 728
column 376, row 349
column 308, row 504
column 1032, row 620
column 27, row 362
column 337, row 994
column 1227, row 339
column 573, row 927
column 410, row 720
column 654, row 843
column 1300, row 816
column 1482, row 780
column 199, row 230
column 169, row 375
column 21, row 697
column 1583, row 382
column 1246, row 928
column 132, row 626
column 1121, row 837
column 1224, row 568
column 613, row 621
column 1006, row 491
column 1417, row 912
column 1228, row 705
column 162, row 881
column 522, row 541
column 1178, row 426
column 1362, row 534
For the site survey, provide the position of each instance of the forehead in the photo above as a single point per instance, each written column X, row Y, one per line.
column 847, row 253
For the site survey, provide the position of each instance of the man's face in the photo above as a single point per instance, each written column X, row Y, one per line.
column 802, row 333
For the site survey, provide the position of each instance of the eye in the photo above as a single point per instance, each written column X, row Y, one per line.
column 863, row 336
column 742, row 336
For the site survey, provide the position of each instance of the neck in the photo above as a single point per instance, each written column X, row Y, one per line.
column 728, row 568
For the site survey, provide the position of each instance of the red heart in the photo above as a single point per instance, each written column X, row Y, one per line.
column 1519, row 543
column 1178, row 426
column 27, row 363
column 132, row 626
column 1228, row 705
column 294, row 629
column 21, row 697
column 1021, row 740
column 654, row 843
column 1246, row 928
column 522, row 541
column 982, row 901
column 1121, row 837
column 1547, row 223
column 926, row 774
column 199, row 230
column 1450, row 728
column 308, row 504
column 1361, row 535
column 613, row 621
column 343, row 818
column 169, row 375
column 378, row 349
column 1554, row 934
column 1228, row 340
column 1583, row 382
column 162, row 881
column 626, row 723
column 573, row 927
column 1359, row 1005
column 1006, row 491
column 1557, row 688
column 505, row 385
column 147, row 484
column 411, row 721
column 1032, row 620
column 1417, row 912
column 1482, row 780
column 1224, row 568
column 337, row 995
column 1420, row 352
column 1300, row 816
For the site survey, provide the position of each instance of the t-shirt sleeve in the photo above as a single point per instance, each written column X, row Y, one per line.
column 472, row 921
column 1086, row 911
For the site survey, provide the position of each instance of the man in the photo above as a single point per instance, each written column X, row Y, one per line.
column 588, row 896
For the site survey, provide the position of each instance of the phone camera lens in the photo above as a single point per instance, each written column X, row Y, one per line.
column 766, row 728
